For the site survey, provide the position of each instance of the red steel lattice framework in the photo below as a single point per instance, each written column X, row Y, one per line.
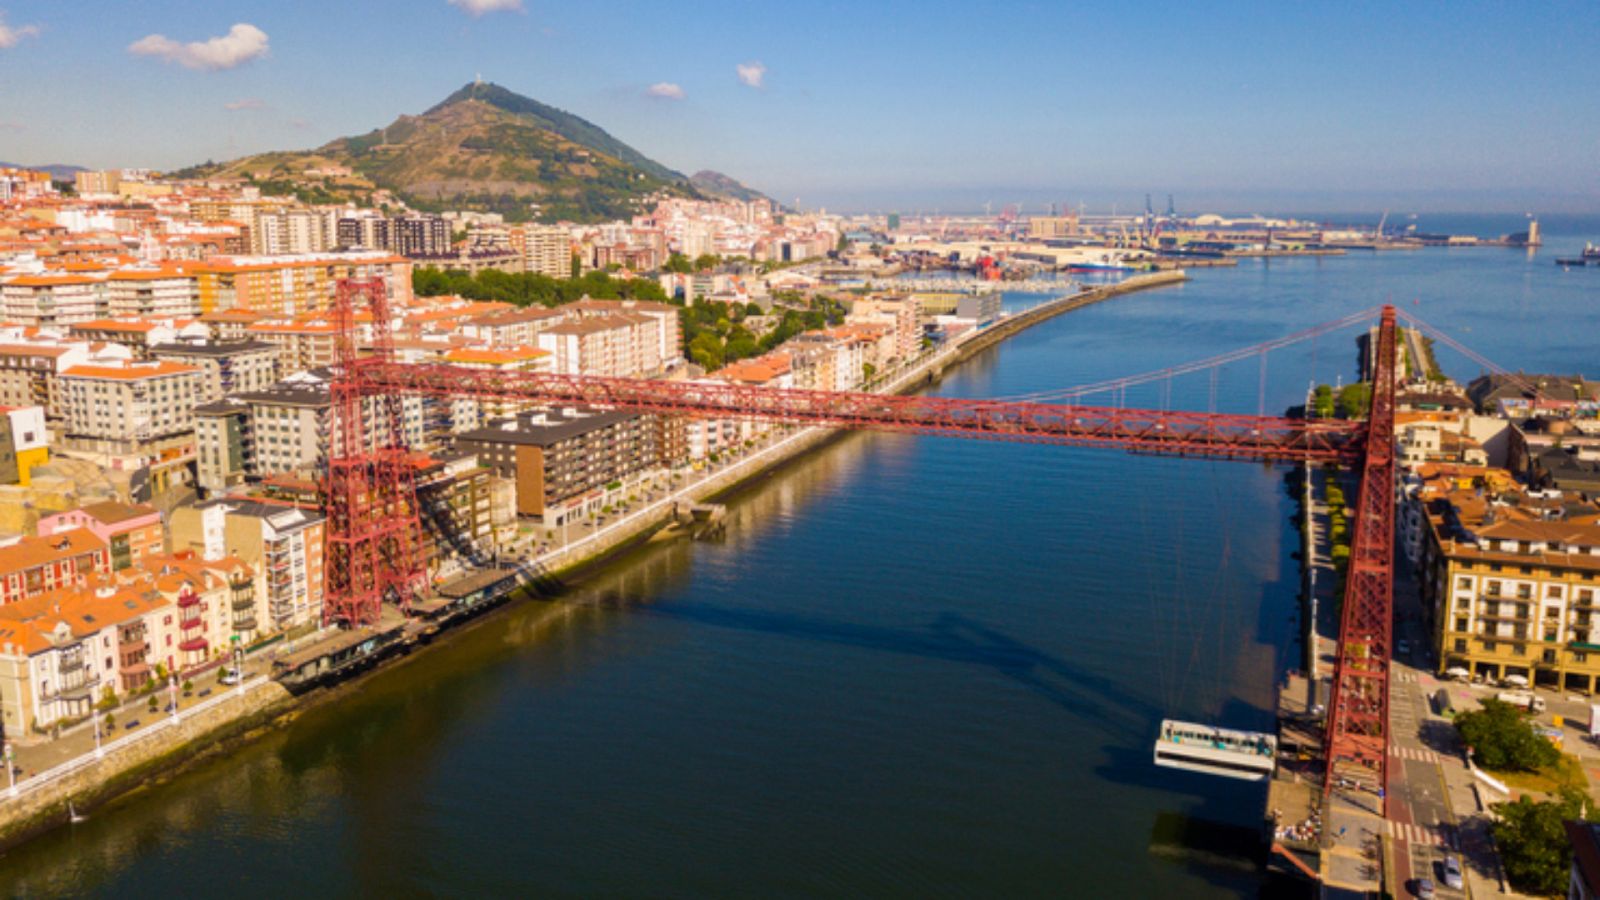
column 373, row 521
column 1358, row 712
column 369, row 488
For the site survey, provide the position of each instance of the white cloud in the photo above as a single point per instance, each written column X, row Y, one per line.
column 242, row 43
column 476, row 8
column 752, row 73
column 10, row 37
column 664, row 90
column 245, row 103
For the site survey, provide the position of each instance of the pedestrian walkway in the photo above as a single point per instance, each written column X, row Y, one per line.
column 1435, row 836
column 1417, row 753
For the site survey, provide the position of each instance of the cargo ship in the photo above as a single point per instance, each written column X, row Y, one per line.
column 1589, row 257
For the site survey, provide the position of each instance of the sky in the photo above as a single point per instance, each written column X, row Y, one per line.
column 924, row 105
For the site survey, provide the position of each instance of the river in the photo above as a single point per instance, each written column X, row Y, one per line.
column 916, row 667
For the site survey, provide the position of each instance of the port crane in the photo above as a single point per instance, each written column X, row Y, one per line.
column 370, row 492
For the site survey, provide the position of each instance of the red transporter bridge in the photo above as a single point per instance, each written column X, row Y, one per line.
column 373, row 516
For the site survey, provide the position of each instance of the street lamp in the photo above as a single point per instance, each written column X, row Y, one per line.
column 172, row 691
column 238, row 666
column 11, row 768
column 98, row 751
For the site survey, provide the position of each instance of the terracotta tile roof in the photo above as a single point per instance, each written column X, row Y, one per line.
column 133, row 371
column 32, row 552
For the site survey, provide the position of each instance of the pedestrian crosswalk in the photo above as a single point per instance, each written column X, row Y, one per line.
column 1416, row 753
column 1436, row 836
column 1411, row 676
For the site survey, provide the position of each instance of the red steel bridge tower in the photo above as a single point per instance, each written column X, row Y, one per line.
column 1357, row 733
column 374, row 530
column 369, row 489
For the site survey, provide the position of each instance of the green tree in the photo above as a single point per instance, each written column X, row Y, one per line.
column 678, row 264
column 1502, row 739
column 1322, row 401
column 706, row 351
column 705, row 262
column 1354, row 400
column 1533, row 843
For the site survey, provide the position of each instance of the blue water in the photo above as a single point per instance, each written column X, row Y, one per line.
column 917, row 667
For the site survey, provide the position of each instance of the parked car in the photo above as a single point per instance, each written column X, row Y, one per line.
column 231, row 677
column 1452, row 872
column 1425, row 889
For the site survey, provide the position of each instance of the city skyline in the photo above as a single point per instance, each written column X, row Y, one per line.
column 1236, row 106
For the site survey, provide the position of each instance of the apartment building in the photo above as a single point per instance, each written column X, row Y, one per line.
column 512, row 327
column 902, row 314
column 566, row 463
column 503, row 360
column 279, row 544
column 130, row 402
column 225, row 367
column 223, row 445
column 668, row 331
column 133, row 533
column 615, row 346
column 24, row 443
column 301, row 344
column 547, row 250
column 54, row 298
column 1512, row 581
column 60, row 651
column 138, row 335
column 29, row 565
column 290, row 285
column 167, row 292
column 290, row 428
column 455, row 505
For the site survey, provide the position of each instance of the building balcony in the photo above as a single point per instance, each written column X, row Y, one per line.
column 245, row 623
column 193, row 644
column 243, row 603
column 126, row 648
column 73, row 663
column 188, row 600
column 135, row 670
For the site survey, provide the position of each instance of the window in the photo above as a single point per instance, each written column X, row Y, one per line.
column 1550, row 635
column 1461, row 623
column 1579, row 656
column 1488, row 645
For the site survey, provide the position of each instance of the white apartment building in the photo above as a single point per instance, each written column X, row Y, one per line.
column 129, row 401
column 669, row 328
column 547, row 250
column 225, row 367
column 170, row 292
column 281, row 544
column 614, row 346
column 44, row 300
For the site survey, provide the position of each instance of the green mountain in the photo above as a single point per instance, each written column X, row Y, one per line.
column 483, row 148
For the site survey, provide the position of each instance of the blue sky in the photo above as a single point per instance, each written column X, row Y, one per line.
column 911, row 105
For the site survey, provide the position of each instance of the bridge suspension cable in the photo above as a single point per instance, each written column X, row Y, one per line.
column 1211, row 362
column 1438, row 335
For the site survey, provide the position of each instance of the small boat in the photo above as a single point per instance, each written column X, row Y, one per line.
column 1591, row 252
column 1246, row 755
column 73, row 815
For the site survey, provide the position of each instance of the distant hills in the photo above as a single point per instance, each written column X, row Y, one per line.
column 482, row 148
column 58, row 171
